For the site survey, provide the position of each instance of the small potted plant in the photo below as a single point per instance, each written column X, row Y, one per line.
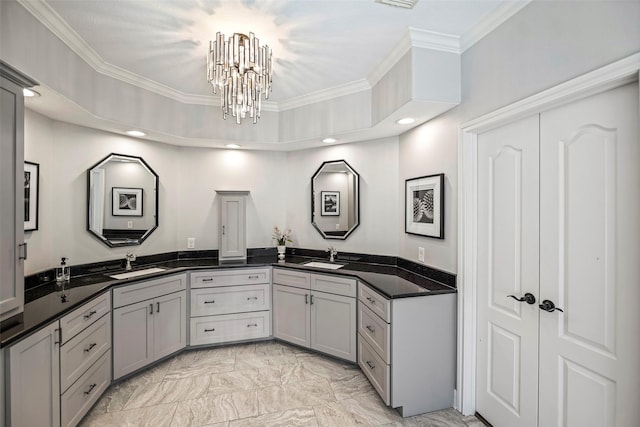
column 281, row 238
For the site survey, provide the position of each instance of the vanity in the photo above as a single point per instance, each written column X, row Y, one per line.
column 393, row 318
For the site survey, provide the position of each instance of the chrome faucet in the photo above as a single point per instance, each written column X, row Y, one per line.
column 130, row 256
column 332, row 253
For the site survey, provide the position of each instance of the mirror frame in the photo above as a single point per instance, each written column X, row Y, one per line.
column 128, row 242
column 357, row 201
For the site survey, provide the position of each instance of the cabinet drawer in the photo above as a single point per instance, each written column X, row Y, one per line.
column 374, row 368
column 375, row 302
column 334, row 285
column 293, row 278
column 73, row 323
column 230, row 299
column 230, row 327
column 375, row 331
column 148, row 289
column 236, row 276
column 83, row 350
column 77, row 401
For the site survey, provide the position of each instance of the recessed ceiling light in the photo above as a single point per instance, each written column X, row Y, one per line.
column 406, row 121
column 135, row 133
column 329, row 140
column 29, row 93
column 232, row 146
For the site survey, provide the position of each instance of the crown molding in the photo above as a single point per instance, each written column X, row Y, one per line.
column 414, row 37
column 325, row 94
column 490, row 22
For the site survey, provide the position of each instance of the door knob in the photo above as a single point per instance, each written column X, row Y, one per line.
column 549, row 306
column 528, row 298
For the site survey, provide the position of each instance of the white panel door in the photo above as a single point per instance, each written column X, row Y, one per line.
column 291, row 315
column 333, row 325
column 507, row 334
column 169, row 324
column 132, row 337
column 232, row 221
column 590, row 262
column 34, row 376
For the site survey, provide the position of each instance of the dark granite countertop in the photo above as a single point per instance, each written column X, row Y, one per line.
column 45, row 304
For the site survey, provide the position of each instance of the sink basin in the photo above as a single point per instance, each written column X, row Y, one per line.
column 136, row 273
column 328, row 265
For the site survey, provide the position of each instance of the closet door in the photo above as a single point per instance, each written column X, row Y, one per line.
column 508, row 219
column 590, row 262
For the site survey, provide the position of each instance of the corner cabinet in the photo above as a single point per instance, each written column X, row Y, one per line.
column 315, row 311
column 149, row 322
column 407, row 349
column 12, row 190
column 233, row 224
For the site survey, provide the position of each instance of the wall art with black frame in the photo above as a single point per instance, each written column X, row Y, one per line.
column 424, row 206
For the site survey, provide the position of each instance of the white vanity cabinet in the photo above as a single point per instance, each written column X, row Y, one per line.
column 149, row 322
column 406, row 348
column 315, row 311
column 60, row 371
column 230, row 305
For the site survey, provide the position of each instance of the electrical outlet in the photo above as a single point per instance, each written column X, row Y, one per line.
column 420, row 253
column 129, row 224
column 191, row 242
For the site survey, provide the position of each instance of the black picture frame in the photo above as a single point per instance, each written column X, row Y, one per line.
column 329, row 203
column 126, row 201
column 31, row 195
column 424, row 206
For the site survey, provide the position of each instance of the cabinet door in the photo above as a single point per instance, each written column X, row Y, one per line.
column 232, row 227
column 333, row 325
column 34, row 383
column 132, row 337
column 169, row 324
column 291, row 315
column 12, row 196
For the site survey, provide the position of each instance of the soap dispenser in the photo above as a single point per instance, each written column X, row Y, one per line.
column 63, row 272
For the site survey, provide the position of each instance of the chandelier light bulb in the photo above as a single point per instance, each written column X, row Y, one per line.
column 240, row 69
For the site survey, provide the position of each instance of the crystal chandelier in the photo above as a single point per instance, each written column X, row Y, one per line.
column 241, row 69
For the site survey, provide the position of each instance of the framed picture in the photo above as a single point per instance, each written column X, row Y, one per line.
column 31, row 195
column 127, row 201
column 330, row 203
column 424, row 206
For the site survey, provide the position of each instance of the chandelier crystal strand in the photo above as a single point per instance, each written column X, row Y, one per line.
column 241, row 69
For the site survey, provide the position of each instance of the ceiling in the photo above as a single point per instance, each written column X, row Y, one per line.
column 322, row 49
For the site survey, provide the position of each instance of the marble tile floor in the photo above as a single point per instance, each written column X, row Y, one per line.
column 258, row 384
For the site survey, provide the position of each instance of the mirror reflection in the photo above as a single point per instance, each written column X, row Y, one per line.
column 122, row 200
column 335, row 200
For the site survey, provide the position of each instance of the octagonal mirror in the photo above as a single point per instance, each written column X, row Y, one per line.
column 122, row 200
column 335, row 203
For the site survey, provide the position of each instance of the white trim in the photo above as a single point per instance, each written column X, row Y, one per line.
column 613, row 75
column 490, row 22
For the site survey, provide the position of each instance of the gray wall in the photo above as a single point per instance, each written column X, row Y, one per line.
column 545, row 44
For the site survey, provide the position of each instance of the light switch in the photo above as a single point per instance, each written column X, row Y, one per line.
column 420, row 253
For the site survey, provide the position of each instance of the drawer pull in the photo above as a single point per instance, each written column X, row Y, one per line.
column 88, row 349
column 370, row 365
column 210, row 302
column 91, row 313
column 254, row 277
column 209, row 279
column 91, row 387
column 151, row 308
column 158, row 307
column 210, row 330
column 371, row 300
column 250, row 298
column 306, row 298
column 370, row 329
column 312, row 299
column 254, row 325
